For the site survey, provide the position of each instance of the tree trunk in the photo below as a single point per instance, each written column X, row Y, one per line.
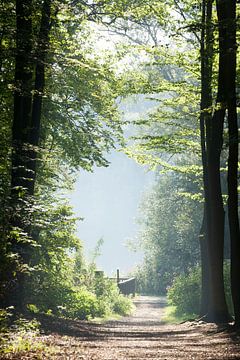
column 22, row 95
column 20, row 176
column 217, row 307
column 227, row 14
column 25, row 140
column 43, row 44
column 206, row 52
column 204, row 267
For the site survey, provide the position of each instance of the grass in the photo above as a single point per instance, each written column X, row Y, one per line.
column 22, row 336
column 111, row 316
column 102, row 320
column 172, row 317
column 20, row 342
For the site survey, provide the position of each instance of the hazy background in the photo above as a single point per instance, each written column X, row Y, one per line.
column 108, row 200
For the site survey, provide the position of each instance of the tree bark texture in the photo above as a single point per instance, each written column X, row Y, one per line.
column 213, row 303
column 206, row 52
column 22, row 95
column 29, row 80
column 204, row 266
column 212, row 129
column 227, row 19
column 43, row 44
column 20, row 174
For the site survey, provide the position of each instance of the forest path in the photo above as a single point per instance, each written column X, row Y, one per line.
column 140, row 336
column 149, row 311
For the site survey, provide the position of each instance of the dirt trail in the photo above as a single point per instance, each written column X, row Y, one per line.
column 149, row 311
column 140, row 336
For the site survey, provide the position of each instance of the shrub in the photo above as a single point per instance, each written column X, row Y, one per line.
column 109, row 298
column 100, row 299
column 185, row 292
column 82, row 304
column 122, row 305
column 104, row 307
column 94, row 296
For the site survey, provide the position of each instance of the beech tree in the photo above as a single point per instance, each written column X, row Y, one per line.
column 217, row 308
column 212, row 123
column 227, row 15
column 39, row 115
column 213, row 111
column 26, row 129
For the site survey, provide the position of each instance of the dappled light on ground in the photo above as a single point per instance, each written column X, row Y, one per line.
column 140, row 336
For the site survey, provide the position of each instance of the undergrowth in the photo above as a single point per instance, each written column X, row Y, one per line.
column 19, row 336
column 171, row 316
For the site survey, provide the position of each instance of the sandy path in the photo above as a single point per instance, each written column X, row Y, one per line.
column 149, row 311
column 140, row 336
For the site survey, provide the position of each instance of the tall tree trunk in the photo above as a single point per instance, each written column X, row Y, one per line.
column 227, row 14
column 25, row 139
column 217, row 307
column 35, row 129
column 20, row 176
column 206, row 52
column 43, row 44
column 22, row 95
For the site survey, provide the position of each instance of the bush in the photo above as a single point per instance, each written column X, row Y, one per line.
column 93, row 296
column 185, row 292
column 122, row 305
column 103, row 299
column 82, row 305
column 109, row 298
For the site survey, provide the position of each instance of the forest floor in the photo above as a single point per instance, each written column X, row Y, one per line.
column 143, row 335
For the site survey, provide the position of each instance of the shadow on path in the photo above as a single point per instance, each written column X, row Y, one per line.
column 141, row 336
column 147, row 315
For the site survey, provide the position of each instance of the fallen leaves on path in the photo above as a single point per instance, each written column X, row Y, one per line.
column 141, row 336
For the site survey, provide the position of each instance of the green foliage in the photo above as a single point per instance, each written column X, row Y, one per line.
column 172, row 317
column 51, row 278
column 122, row 305
column 110, row 300
column 81, row 304
column 80, row 122
column 168, row 143
column 168, row 233
column 149, row 282
column 185, row 292
column 66, row 286
column 20, row 337
column 60, row 282
column 5, row 316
